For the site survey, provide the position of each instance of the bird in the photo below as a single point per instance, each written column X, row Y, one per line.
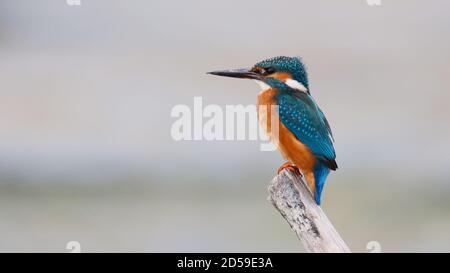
column 304, row 135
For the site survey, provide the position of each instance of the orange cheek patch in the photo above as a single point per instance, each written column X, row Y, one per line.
column 281, row 76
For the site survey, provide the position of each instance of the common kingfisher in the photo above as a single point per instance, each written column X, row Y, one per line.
column 304, row 136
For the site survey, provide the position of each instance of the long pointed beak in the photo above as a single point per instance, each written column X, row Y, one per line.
column 237, row 73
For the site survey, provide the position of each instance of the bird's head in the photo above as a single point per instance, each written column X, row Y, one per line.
column 288, row 70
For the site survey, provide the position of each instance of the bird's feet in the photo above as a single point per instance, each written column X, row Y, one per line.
column 291, row 167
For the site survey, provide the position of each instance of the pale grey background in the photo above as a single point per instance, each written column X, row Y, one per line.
column 85, row 100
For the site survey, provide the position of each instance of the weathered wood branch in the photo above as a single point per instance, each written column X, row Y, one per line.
column 291, row 197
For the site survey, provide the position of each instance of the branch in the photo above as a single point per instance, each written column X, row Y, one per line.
column 291, row 197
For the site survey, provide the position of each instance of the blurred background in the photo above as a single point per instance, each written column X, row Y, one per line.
column 85, row 147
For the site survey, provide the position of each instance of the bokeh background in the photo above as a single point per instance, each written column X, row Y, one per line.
column 85, row 147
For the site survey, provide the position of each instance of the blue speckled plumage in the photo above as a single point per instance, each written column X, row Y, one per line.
column 294, row 66
column 300, row 114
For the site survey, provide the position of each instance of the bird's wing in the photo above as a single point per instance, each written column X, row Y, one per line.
column 324, row 119
column 300, row 114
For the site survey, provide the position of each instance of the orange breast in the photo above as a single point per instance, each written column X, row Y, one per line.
column 290, row 147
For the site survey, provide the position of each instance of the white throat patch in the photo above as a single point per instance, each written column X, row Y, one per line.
column 296, row 85
column 262, row 85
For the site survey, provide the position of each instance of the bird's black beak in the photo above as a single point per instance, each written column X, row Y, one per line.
column 237, row 73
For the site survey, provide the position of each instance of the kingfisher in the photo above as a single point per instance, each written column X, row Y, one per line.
column 304, row 136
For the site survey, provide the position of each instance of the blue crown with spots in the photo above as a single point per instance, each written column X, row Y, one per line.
column 291, row 65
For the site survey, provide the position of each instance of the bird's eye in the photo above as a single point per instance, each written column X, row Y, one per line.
column 268, row 70
column 263, row 71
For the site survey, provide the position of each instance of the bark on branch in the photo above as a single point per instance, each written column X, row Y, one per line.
column 291, row 197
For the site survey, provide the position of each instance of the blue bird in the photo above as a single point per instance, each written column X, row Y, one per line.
column 304, row 136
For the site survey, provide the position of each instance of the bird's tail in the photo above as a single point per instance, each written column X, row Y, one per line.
column 320, row 175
